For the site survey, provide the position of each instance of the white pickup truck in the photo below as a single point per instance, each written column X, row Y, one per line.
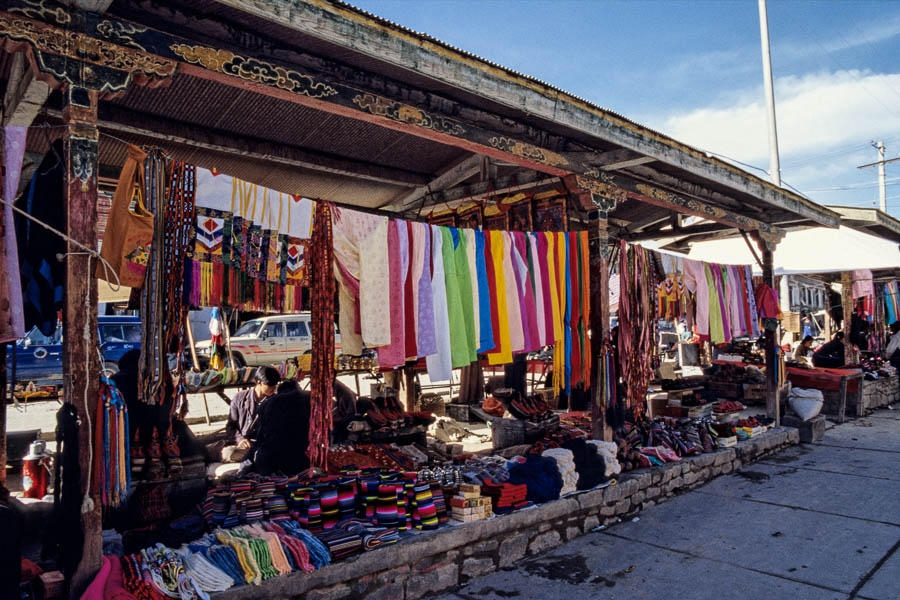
column 268, row 340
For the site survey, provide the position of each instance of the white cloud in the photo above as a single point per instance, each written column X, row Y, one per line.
column 816, row 113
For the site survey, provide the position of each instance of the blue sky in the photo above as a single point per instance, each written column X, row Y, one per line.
column 693, row 70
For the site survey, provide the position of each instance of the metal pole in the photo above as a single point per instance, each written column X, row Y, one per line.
column 774, row 165
column 882, row 193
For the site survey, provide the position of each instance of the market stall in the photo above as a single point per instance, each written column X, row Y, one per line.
column 217, row 207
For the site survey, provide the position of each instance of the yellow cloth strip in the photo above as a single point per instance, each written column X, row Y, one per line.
column 503, row 355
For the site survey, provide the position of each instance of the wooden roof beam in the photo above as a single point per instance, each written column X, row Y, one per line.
column 527, row 180
column 116, row 119
column 24, row 95
column 456, row 173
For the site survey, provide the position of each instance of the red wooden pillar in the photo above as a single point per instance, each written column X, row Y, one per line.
column 81, row 364
column 599, row 289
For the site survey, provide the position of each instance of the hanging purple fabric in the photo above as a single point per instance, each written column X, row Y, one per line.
column 425, row 339
column 529, row 316
column 12, row 315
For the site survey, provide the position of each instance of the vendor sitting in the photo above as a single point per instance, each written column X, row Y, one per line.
column 803, row 349
column 282, row 432
column 830, row 355
column 243, row 415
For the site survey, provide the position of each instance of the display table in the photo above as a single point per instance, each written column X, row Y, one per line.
column 835, row 385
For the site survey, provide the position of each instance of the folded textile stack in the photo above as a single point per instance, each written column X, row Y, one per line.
column 469, row 505
column 565, row 461
column 372, row 535
column 505, row 497
column 608, row 450
column 540, row 474
column 341, row 542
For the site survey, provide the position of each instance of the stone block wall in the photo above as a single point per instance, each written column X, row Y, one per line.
column 439, row 560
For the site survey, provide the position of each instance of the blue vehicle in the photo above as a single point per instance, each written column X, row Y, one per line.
column 39, row 358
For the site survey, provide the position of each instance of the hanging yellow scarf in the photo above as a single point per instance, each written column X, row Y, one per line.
column 503, row 355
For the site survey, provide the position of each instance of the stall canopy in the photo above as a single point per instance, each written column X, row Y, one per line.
column 809, row 251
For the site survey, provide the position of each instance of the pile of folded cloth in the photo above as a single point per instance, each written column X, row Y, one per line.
column 565, row 461
column 340, row 542
column 479, row 468
column 372, row 535
column 609, row 451
column 505, row 497
column 540, row 474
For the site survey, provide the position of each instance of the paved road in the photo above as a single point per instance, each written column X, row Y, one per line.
column 813, row 522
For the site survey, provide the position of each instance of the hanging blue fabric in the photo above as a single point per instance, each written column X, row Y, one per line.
column 486, row 329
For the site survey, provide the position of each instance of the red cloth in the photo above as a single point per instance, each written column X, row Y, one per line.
column 115, row 585
column 767, row 302
column 822, row 379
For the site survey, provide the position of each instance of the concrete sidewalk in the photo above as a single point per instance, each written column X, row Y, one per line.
column 816, row 521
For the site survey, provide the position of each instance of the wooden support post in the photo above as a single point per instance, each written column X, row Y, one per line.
column 409, row 384
column 3, row 398
column 847, row 304
column 599, row 289
column 81, row 362
column 828, row 320
column 773, row 410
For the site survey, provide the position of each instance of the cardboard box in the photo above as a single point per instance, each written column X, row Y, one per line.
column 469, row 487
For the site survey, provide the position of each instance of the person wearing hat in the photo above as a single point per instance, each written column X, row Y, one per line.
column 243, row 415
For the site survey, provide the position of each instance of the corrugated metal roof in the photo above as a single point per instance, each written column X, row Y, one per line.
column 225, row 108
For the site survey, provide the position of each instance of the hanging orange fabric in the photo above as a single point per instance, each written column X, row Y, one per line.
column 129, row 233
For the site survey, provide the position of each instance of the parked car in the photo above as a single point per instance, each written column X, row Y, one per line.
column 268, row 340
column 38, row 358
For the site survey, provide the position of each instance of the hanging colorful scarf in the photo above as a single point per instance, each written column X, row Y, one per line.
column 637, row 324
column 891, row 302
column 322, row 324
column 153, row 364
column 112, row 468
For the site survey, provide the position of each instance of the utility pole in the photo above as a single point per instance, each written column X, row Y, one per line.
column 882, row 184
column 774, row 164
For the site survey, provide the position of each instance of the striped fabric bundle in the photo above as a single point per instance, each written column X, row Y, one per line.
column 341, row 542
column 424, row 511
column 372, row 536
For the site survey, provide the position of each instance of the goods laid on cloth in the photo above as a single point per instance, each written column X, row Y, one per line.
column 249, row 245
column 456, row 293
